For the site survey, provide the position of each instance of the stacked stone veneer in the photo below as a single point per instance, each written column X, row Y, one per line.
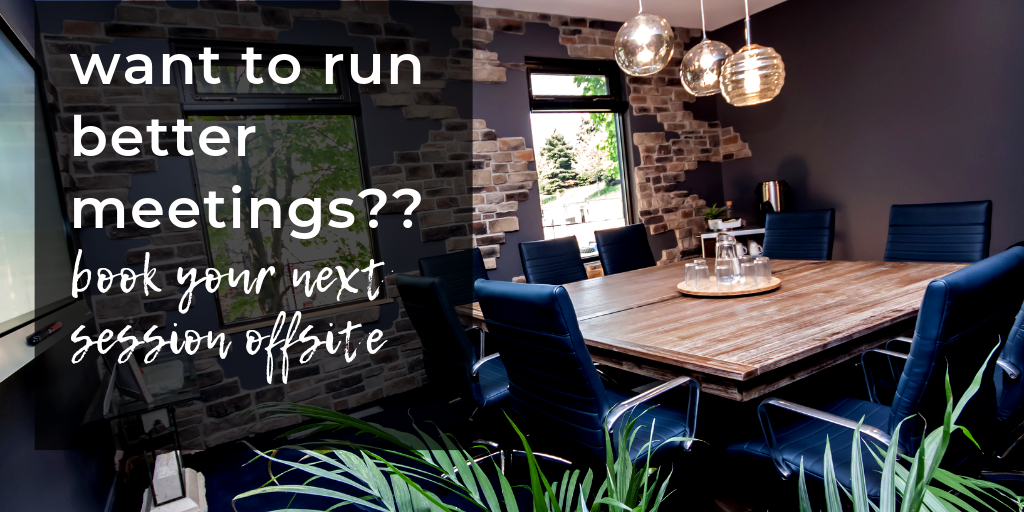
column 501, row 180
column 471, row 181
column 664, row 205
column 439, row 169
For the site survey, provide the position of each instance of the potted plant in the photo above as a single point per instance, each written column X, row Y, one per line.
column 712, row 217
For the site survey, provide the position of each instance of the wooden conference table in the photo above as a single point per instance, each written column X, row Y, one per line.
column 741, row 348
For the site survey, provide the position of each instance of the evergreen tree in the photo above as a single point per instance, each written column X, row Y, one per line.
column 559, row 173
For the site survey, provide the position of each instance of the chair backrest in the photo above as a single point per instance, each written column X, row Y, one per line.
column 800, row 235
column 624, row 249
column 447, row 351
column 960, row 321
column 939, row 232
column 1010, row 388
column 458, row 270
column 552, row 261
column 556, row 392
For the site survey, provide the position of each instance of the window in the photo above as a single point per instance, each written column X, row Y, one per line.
column 306, row 145
column 576, row 117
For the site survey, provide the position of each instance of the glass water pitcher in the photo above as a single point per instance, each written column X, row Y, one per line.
column 725, row 252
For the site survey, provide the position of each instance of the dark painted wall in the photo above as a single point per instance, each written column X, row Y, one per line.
column 506, row 108
column 887, row 102
column 36, row 471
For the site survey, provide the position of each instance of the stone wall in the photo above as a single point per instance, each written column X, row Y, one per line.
column 501, row 180
column 664, row 205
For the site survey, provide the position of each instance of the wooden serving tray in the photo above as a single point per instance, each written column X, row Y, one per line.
column 712, row 292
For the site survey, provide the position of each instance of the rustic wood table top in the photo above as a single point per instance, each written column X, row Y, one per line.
column 824, row 313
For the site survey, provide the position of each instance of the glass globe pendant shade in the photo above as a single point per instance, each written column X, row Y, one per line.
column 644, row 45
column 702, row 67
column 754, row 74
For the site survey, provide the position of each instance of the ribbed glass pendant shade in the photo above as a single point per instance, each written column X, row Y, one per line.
column 754, row 74
column 644, row 45
column 702, row 67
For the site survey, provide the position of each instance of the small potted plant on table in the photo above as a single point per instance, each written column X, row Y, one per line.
column 713, row 217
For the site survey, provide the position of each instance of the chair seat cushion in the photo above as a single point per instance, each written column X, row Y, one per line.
column 806, row 438
column 492, row 386
column 668, row 422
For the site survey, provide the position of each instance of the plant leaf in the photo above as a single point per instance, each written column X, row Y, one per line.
column 832, row 502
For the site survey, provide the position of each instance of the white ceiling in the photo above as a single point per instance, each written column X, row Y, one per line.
column 680, row 13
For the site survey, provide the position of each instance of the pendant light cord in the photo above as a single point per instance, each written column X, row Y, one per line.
column 746, row 9
column 642, row 6
column 703, row 26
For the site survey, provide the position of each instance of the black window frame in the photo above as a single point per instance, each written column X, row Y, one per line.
column 613, row 102
column 346, row 102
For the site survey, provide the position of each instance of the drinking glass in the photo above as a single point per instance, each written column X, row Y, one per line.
column 690, row 275
column 725, row 275
column 748, row 275
column 764, row 270
column 701, row 276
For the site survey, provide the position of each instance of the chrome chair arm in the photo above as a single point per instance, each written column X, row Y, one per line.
column 869, row 378
column 622, row 407
column 1017, row 435
column 482, row 361
column 780, row 464
column 901, row 339
column 1011, row 369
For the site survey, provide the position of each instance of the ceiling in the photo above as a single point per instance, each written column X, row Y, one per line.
column 680, row 13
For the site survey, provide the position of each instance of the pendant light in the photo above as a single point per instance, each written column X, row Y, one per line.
column 644, row 44
column 754, row 74
column 702, row 65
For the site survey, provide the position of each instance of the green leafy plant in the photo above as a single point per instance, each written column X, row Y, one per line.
column 417, row 462
column 914, row 484
column 603, row 123
column 400, row 482
column 714, row 212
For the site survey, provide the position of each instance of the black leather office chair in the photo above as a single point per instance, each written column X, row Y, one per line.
column 960, row 320
column 624, row 249
column 1009, row 385
column 800, row 235
column 939, row 232
column 552, row 261
column 458, row 270
column 556, row 393
column 448, row 352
